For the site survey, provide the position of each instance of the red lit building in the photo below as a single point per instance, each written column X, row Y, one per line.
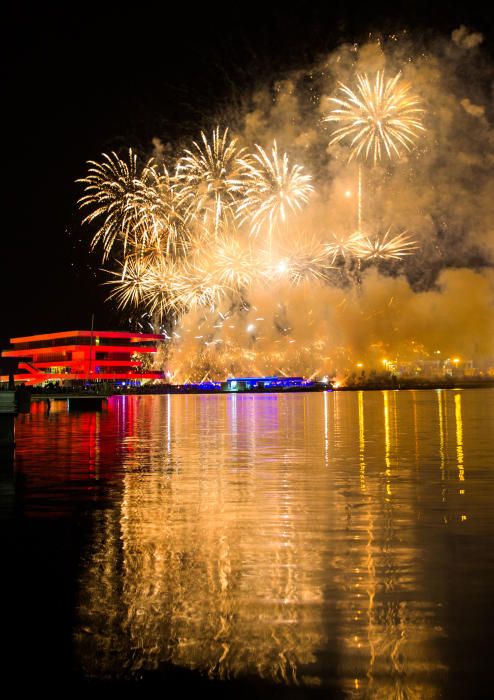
column 81, row 356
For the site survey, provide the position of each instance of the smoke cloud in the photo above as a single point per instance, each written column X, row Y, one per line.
column 437, row 302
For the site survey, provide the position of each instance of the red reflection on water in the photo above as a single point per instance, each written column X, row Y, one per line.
column 55, row 446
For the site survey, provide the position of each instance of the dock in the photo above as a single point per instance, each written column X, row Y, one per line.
column 75, row 402
column 8, row 411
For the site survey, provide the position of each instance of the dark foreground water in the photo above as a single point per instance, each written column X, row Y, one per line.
column 328, row 545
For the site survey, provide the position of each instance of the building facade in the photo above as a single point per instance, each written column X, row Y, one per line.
column 82, row 356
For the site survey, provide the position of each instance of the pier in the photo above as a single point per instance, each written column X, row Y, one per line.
column 75, row 401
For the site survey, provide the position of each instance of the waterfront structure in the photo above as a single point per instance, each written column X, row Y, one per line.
column 264, row 383
column 8, row 410
column 82, row 356
column 239, row 384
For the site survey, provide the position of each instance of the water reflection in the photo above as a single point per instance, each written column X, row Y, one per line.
column 442, row 440
column 459, row 437
column 361, row 438
column 213, row 567
column 301, row 538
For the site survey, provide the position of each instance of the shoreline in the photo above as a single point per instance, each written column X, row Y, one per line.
column 166, row 389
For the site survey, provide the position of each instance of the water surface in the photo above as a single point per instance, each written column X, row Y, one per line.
column 332, row 543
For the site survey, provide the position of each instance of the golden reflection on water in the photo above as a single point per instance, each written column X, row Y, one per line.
column 276, row 535
column 459, row 437
column 205, row 583
column 387, row 443
column 326, row 429
column 361, row 439
column 442, row 439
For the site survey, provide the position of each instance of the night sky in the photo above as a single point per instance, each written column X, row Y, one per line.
column 97, row 77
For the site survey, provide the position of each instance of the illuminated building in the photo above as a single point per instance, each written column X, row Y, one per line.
column 82, row 356
column 264, row 383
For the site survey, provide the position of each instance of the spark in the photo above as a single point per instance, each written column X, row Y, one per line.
column 379, row 118
column 164, row 283
column 282, row 267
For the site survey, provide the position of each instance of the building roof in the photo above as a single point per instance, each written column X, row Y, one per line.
column 86, row 334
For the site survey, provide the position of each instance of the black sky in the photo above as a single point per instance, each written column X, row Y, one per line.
column 83, row 78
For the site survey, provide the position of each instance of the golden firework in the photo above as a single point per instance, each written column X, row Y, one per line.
column 123, row 199
column 232, row 263
column 179, row 238
column 385, row 247
column 273, row 189
column 174, row 233
column 343, row 246
column 305, row 259
column 210, row 177
column 131, row 283
column 379, row 118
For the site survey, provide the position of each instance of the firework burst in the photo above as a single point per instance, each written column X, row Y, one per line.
column 196, row 290
column 343, row 246
column 165, row 282
column 205, row 247
column 306, row 260
column 131, row 283
column 380, row 118
column 210, row 177
column 232, row 263
column 123, row 200
column 385, row 247
column 273, row 189
column 174, row 233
